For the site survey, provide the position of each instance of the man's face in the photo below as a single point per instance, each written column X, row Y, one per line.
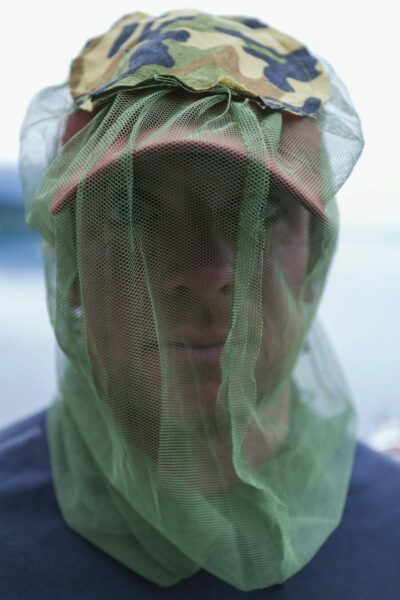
column 158, row 277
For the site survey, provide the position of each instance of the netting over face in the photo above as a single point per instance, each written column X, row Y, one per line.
column 202, row 422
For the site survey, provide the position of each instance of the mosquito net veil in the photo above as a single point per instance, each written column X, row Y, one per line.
column 184, row 187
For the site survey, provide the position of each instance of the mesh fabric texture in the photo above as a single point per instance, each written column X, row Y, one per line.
column 202, row 421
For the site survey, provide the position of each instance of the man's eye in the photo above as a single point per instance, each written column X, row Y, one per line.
column 274, row 210
column 138, row 213
column 119, row 215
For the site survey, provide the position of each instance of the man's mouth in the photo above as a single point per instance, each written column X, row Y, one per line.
column 195, row 352
column 195, row 346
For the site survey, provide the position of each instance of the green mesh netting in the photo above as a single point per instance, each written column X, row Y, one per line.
column 201, row 421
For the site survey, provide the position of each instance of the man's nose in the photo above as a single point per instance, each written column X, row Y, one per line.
column 205, row 273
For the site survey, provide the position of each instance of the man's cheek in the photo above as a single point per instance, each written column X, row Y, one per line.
column 294, row 261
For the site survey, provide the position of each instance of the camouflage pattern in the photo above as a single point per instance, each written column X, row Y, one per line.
column 200, row 52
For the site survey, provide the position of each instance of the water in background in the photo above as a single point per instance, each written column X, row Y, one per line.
column 360, row 313
column 358, row 310
column 27, row 369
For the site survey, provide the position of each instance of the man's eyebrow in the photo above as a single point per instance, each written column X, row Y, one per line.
column 278, row 190
column 159, row 198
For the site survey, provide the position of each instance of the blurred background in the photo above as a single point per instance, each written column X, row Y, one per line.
column 359, row 308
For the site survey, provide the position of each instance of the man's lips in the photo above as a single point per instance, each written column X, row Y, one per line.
column 194, row 346
column 195, row 353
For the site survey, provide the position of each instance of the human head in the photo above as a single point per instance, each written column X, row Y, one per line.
column 180, row 217
column 158, row 260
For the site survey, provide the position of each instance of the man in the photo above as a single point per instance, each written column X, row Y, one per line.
column 202, row 439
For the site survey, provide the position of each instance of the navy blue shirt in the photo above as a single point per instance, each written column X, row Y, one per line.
column 41, row 558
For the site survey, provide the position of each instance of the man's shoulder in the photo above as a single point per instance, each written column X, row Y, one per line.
column 360, row 559
column 28, row 507
column 373, row 499
column 25, row 475
column 376, row 477
column 17, row 429
column 23, row 449
column 38, row 551
column 38, row 547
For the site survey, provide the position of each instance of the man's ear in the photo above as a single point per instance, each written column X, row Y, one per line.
column 74, row 294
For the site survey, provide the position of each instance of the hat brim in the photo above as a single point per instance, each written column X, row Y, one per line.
column 292, row 177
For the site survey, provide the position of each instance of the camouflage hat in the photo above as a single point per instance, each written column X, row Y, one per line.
column 200, row 52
